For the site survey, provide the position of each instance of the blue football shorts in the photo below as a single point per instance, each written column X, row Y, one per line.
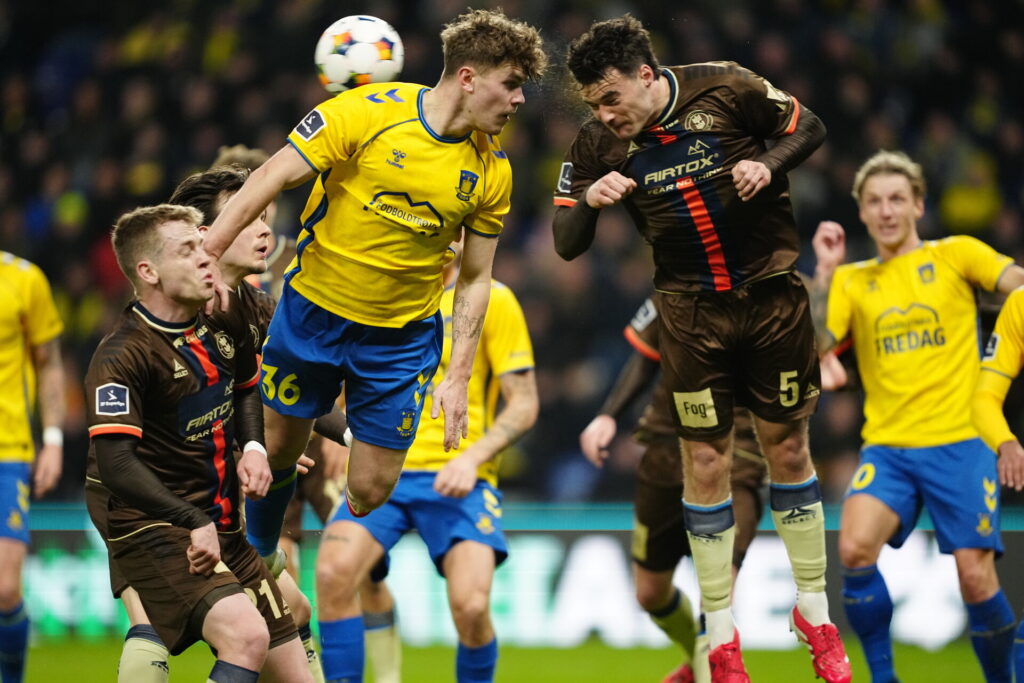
column 956, row 482
column 310, row 352
column 15, row 490
column 441, row 521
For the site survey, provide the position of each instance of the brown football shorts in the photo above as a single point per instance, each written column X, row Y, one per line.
column 752, row 346
column 659, row 534
column 96, row 497
column 177, row 602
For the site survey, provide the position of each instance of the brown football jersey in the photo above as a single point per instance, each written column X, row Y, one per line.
column 685, row 205
column 172, row 385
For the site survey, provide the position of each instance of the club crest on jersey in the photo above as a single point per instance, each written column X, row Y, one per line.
column 467, row 184
column 254, row 331
column 927, row 273
column 984, row 527
column 225, row 345
column 112, row 399
column 565, row 178
column 312, row 124
column 698, row 120
column 406, row 427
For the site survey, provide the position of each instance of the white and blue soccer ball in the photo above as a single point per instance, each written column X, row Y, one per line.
column 357, row 50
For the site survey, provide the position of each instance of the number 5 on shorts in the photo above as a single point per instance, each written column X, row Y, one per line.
column 789, row 390
column 287, row 392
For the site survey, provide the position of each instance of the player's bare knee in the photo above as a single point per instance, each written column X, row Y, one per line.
column 337, row 576
column 249, row 643
column 10, row 593
column 372, row 494
column 471, row 612
column 302, row 611
column 857, row 551
column 978, row 578
column 652, row 597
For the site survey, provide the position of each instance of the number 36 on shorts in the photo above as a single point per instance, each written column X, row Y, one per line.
column 285, row 389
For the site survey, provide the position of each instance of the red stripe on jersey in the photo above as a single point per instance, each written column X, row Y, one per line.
column 203, row 356
column 251, row 382
column 220, row 465
column 642, row 347
column 796, row 117
column 706, row 230
column 565, row 201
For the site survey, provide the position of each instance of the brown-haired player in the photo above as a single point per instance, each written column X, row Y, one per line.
column 686, row 150
column 170, row 390
column 400, row 169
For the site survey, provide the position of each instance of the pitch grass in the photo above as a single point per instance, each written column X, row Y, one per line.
column 85, row 662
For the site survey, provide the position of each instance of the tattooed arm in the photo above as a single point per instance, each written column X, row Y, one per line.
column 519, row 391
column 50, row 371
column 472, row 292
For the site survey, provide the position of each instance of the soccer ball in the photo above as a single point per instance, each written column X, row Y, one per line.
column 357, row 50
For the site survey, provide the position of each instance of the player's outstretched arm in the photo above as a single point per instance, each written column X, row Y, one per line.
column 287, row 168
column 519, row 393
column 50, row 459
column 472, row 292
column 829, row 244
column 574, row 227
column 635, row 376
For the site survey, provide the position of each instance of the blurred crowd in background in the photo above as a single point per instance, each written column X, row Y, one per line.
column 105, row 106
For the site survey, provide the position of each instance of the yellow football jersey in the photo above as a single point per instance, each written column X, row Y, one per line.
column 390, row 197
column 28, row 317
column 504, row 347
column 1003, row 359
column 914, row 324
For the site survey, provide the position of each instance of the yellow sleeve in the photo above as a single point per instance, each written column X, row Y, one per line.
column 979, row 263
column 837, row 319
column 488, row 218
column 42, row 320
column 331, row 132
column 506, row 340
column 1004, row 357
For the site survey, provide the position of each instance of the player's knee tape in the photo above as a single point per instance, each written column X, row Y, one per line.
column 785, row 497
column 707, row 520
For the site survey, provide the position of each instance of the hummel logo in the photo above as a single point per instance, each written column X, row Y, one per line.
column 179, row 370
column 797, row 514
